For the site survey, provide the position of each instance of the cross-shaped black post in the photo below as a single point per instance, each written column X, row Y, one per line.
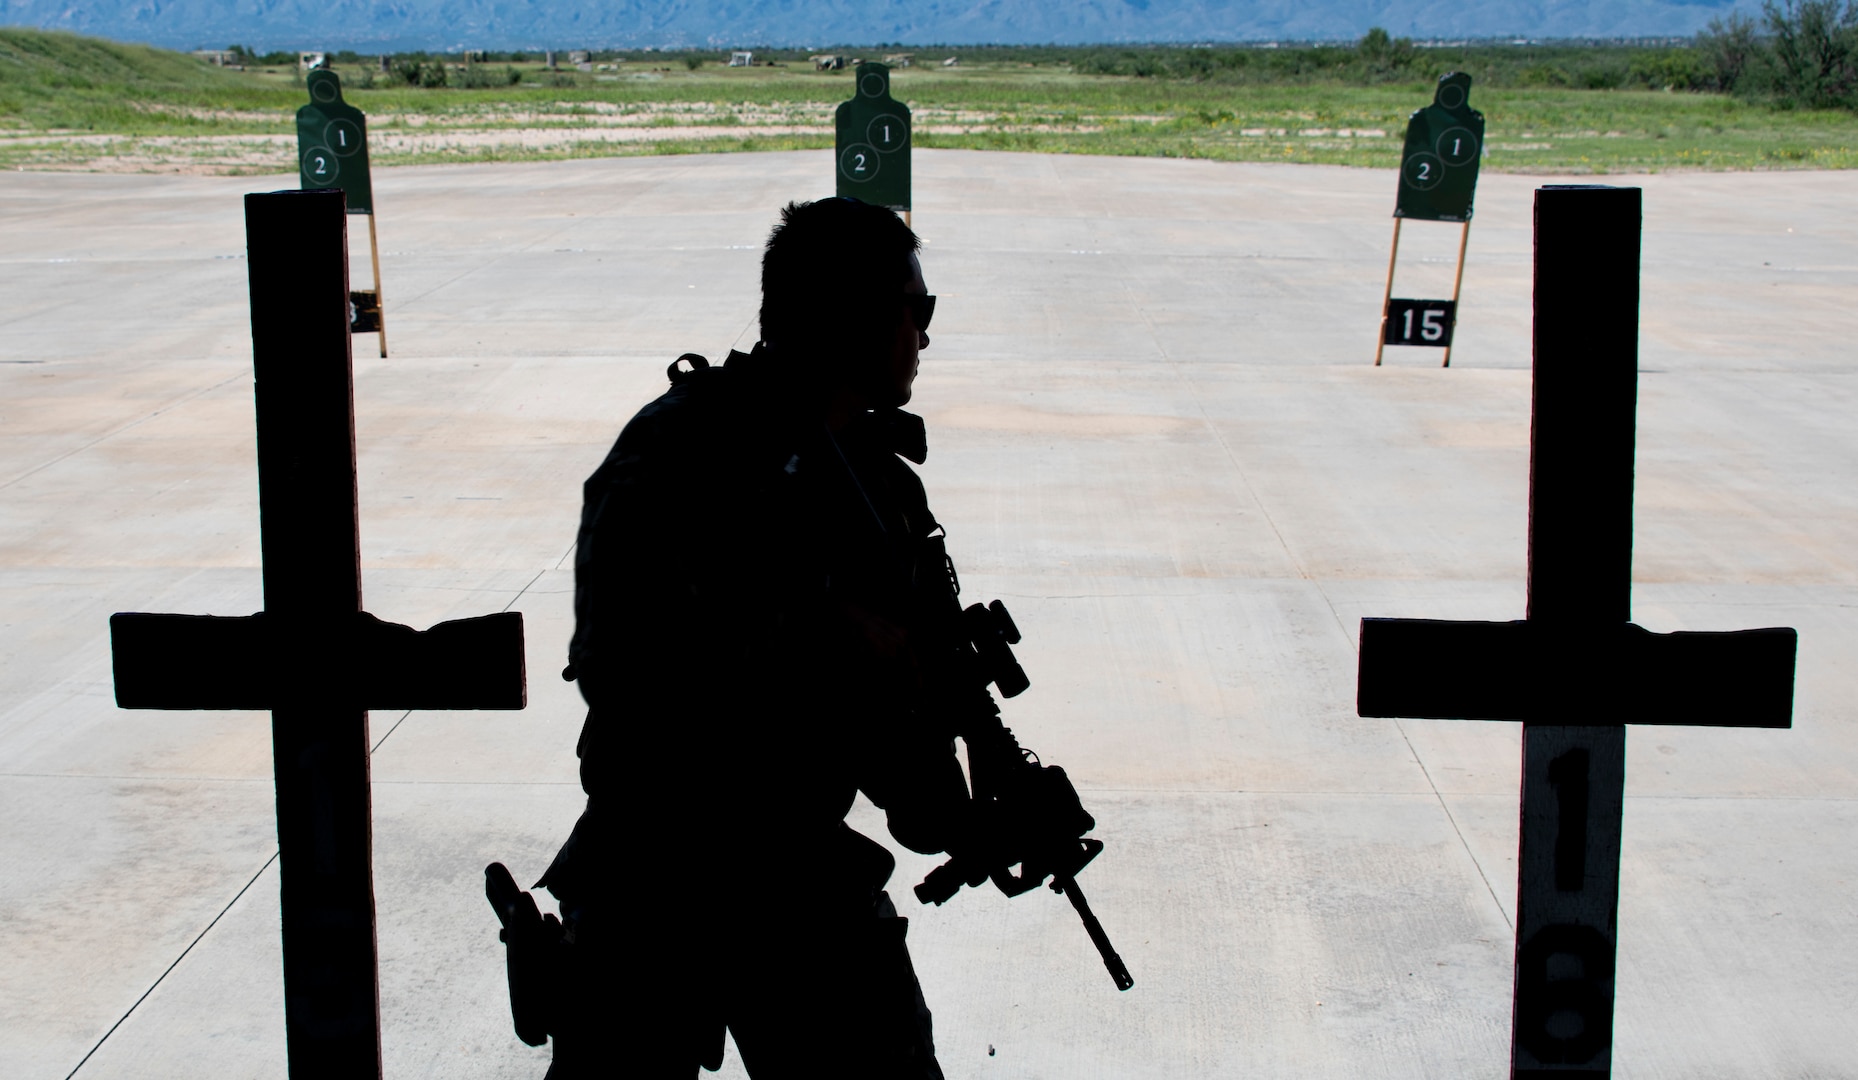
column 313, row 657
column 1576, row 670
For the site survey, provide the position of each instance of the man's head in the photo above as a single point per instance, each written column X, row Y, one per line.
column 836, row 282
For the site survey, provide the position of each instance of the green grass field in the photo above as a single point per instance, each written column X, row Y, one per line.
column 75, row 103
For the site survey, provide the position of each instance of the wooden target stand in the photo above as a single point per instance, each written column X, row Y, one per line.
column 368, row 314
column 332, row 152
column 1419, row 322
column 1438, row 182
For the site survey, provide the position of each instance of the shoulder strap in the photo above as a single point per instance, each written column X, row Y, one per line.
column 685, row 368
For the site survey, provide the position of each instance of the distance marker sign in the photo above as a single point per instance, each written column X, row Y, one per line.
column 1438, row 167
column 1419, row 322
column 873, row 142
column 332, row 142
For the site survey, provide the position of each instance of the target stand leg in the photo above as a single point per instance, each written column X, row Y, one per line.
column 1464, row 238
column 374, row 252
column 1380, row 340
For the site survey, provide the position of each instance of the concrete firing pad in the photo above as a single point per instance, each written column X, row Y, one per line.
column 1155, row 431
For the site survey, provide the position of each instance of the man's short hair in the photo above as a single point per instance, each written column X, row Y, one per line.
column 831, row 272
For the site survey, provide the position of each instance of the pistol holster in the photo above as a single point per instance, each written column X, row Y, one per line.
column 534, row 947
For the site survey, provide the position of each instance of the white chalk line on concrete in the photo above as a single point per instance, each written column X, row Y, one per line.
column 222, row 911
column 390, row 731
column 1343, row 793
column 403, row 305
column 1485, row 878
column 113, row 432
column 1340, row 793
column 575, row 784
column 477, row 268
column 34, row 315
column 171, row 967
column 532, row 581
column 1264, row 512
column 144, row 778
column 506, row 607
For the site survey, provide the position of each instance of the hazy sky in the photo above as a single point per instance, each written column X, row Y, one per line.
column 503, row 24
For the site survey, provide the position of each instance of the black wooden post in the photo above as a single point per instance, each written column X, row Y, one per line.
column 1576, row 670
column 312, row 656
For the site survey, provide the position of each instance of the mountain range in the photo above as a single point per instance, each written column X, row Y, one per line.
column 388, row 25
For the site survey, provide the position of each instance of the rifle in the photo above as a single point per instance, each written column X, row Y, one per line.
column 1027, row 812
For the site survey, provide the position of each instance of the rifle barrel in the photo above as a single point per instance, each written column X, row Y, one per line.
column 1118, row 971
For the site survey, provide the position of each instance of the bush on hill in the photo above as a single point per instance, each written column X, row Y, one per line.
column 1803, row 54
column 277, row 58
column 1380, row 58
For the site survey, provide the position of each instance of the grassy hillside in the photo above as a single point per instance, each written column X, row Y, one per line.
column 74, row 103
column 54, row 81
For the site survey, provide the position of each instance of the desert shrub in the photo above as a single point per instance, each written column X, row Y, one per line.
column 1732, row 51
column 1673, row 69
column 1802, row 54
column 402, row 71
column 485, row 77
column 1815, row 48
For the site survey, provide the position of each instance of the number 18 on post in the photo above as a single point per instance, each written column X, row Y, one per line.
column 1419, row 322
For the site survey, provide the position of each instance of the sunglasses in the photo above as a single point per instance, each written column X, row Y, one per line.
column 922, row 309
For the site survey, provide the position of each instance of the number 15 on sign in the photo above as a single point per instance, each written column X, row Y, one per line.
column 1419, row 322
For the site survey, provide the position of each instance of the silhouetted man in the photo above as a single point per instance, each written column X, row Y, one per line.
column 750, row 602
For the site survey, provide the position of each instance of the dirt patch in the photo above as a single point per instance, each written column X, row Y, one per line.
column 494, row 131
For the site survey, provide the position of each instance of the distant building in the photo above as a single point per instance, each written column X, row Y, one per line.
column 899, row 60
column 216, row 57
column 307, row 61
column 578, row 57
column 826, row 62
column 951, row 61
column 740, row 58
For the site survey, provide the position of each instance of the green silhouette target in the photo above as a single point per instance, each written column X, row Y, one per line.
column 1444, row 143
column 332, row 142
column 873, row 142
column 332, row 152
